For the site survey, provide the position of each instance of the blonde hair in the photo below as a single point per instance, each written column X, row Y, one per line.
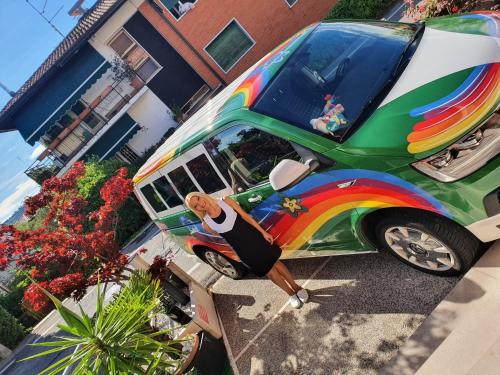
column 197, row 194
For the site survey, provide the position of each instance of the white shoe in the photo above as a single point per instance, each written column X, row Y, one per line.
column 295, row 302
column 303, row 295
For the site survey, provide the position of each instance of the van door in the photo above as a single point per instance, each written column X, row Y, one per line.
column 246, row 156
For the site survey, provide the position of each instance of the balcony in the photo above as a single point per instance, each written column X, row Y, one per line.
column 83, row 123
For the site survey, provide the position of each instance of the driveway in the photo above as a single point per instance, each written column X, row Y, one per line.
column 362, row 309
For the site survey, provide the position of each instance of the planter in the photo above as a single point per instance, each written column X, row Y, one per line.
column 207, row 357
column 176, row 314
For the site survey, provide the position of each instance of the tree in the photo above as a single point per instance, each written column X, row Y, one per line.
column 73, row 246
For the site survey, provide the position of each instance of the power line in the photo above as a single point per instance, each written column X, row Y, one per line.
column 42, row 14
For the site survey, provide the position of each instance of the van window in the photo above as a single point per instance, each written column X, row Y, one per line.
column 153, row 198
column 205, row 174
column 167, row 192
column 247, row 155
column 182, row 181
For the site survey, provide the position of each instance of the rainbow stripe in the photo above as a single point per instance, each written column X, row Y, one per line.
column 449, row 117
column 326, row 202
column 147, row 169
column 252, row 86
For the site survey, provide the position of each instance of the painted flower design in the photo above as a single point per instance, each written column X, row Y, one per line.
column 293, row 205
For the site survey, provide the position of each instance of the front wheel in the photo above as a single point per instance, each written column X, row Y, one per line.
column 429, row 243
column 223, row 264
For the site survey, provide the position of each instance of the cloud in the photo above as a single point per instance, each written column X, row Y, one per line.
column 16, row 199
column 37, row 151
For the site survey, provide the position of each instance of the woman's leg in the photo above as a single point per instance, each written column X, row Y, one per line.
column 281, row 268
column 279, row 280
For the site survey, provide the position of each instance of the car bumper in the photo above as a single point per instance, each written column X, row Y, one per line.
column 487, row 229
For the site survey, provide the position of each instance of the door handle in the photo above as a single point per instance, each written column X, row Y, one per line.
column 255, row 199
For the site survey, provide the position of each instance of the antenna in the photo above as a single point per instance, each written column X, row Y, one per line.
column 7, row 90
column 42, row 14
column 77, row 10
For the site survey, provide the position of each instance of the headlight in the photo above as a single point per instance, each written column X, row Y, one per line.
column 465, row 156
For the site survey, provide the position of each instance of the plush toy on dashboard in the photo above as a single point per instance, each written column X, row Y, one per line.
column 332, row 119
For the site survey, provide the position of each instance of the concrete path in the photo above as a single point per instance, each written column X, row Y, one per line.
column 462, row 335
column 363, row 308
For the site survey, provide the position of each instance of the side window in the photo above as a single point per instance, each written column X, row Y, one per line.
column 247, row 155
column 153, row 198
column 166, row 191
column 182, row 181
column 205, row 174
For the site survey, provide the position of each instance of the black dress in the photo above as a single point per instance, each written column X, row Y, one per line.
column 252, row 248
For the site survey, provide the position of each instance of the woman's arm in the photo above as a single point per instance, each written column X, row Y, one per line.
column 248, row 218
column 208, row 229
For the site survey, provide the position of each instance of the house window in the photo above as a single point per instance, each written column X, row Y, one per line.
column 230, row 45
column 176, row 7
column 129, row 50
column 291, row 3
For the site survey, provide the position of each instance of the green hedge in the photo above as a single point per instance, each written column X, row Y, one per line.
column 11, row 332
column 359, row 9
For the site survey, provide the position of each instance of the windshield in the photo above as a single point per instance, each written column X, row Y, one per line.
column 332, row 77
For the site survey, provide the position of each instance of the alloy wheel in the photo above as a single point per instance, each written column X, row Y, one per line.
column 420, row 248
column 221, row 264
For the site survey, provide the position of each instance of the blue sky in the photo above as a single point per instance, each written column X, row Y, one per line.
column 25, row 41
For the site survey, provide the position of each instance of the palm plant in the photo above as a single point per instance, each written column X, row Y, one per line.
column 117, row 339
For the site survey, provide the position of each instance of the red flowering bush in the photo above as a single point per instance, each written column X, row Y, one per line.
column 73, row 247
column 420, row 10
column 158, row 269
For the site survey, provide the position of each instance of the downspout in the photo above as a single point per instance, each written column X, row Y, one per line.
column 158, row 9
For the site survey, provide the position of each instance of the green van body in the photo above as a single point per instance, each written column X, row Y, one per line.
column 374, row 171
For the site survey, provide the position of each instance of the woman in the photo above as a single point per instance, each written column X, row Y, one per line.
column 254, row 246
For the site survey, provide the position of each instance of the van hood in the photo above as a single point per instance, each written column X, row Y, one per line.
column 450, row 86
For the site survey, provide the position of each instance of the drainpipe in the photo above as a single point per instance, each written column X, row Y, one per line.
column 158, row 9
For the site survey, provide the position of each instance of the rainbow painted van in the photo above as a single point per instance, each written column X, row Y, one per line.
column 347, row 138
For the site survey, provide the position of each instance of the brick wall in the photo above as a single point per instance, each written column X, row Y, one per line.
column 269, row 22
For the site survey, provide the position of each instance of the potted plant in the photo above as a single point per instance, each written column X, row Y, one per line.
column 118, row 338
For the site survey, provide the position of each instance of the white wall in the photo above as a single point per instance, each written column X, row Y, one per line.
column 155, row 118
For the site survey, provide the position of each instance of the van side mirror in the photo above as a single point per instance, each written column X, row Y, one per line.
column 288, row 173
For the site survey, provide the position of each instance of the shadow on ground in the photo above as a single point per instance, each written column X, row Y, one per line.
column 362, row 309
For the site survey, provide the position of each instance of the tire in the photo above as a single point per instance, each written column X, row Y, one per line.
column 223, row 264
column 429, row 243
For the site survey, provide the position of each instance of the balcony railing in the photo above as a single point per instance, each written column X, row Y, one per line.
column 105, row 107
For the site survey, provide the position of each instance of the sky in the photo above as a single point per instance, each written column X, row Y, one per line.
column 25, row 41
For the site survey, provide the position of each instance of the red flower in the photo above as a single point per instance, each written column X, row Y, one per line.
column 455, row 9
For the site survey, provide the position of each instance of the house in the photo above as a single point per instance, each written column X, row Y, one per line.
column 115, row 85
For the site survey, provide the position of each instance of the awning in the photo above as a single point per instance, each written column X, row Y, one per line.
column 60, row 93
column 114, row 139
